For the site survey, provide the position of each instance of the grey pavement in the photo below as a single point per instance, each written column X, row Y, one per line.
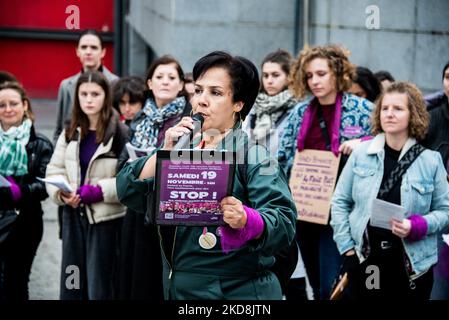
column 45, row 273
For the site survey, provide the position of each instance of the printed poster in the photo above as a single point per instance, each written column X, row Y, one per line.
column 189, row 192
column 312, row 183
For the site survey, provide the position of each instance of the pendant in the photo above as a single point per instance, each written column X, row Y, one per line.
column 207, row 240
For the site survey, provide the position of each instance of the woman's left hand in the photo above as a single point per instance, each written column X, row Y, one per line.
column 233, row 212
column 401, row 228
column 348, row 146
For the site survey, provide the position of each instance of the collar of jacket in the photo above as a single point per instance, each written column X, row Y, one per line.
column 378, row 143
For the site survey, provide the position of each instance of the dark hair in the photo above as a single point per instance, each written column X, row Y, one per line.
column 188, row 78
column 444, row 68
column 133, row 86
column 7, row 77
column 384, row 75
column 14, row 85
column 165, row 59
column 91, row 32
column 243, row 73
column 281, row 57
column 369, row 83
column 80, row 119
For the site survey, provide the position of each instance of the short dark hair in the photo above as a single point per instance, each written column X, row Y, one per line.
column 165, row 59
column 384, row 75
column 5, row 76
column 369, row 83
column 281, row 57
column 91, row 32
column 133, row 86
column 243, row 73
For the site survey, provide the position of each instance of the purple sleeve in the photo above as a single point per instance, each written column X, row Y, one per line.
column 419, row 228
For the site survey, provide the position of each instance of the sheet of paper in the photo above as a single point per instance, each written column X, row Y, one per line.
column 4, row 182
column 382, row 213
column 446, row 238
column 135, row 153
column 59, row 182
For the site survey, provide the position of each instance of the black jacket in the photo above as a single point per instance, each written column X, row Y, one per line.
column 438, row 134
column 39, row 150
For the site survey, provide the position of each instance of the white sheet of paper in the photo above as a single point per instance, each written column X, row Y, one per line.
column 59, row 182
column 382, row 213
column 446, row 238
column 4, row 182
column 135, row 153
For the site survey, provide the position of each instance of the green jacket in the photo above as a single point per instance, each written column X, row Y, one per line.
column 191, row 272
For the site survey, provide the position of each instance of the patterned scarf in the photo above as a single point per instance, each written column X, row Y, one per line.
column 147, row 131
column 13, row 154
column 269, row 109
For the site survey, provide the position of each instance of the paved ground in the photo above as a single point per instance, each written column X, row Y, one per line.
column 44, row 279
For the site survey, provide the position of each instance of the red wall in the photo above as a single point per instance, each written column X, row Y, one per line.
column 42, row 64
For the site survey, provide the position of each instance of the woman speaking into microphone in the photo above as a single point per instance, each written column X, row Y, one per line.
column 231, row 261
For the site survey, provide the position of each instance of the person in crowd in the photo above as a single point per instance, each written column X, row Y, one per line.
column 24, row 155
column 140, row 264
column 128, row 97
column 269, row 116
column 330, row 120
column 7, row 77
column 86, row 156
column 438, row 139
column 259, row 216
column 366, row 85
column 395, row 168
column 91, row 51
column 385, row 78
column 189, row 85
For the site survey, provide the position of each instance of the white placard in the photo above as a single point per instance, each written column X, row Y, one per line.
column 4, row 182
column 59, row 182
column 382, row 212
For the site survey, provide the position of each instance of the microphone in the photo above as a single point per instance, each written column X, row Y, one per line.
column 184, row 140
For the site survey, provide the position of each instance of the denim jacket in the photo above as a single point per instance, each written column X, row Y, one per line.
column 424, row 191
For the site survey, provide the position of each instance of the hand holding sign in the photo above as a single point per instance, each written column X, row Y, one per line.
column 233, row 212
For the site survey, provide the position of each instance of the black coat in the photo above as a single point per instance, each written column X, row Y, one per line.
column 438, row 134
column 39, row 150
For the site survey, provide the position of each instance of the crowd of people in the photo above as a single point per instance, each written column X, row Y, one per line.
column 392, row 142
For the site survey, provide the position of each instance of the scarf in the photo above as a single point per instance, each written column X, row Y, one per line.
column 147, row 130
column 269, row 109
column 13, row 154
column 307, row 119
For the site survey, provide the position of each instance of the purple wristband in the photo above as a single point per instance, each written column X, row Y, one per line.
column 232, row 239
column 90, row 194
column 366, row 138
column 16, row 193
column 418, row 229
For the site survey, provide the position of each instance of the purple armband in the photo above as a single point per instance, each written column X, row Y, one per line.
column 418, row 229
column 232, row 239
column 16, row 193
column 90, row 194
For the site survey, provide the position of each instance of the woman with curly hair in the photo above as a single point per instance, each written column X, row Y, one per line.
column 328, row 120
column 395, row 168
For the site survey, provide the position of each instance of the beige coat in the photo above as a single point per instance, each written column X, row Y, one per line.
column 101, row 171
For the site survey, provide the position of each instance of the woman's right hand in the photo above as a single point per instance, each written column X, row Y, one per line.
column 185, row 126
column 71, row 199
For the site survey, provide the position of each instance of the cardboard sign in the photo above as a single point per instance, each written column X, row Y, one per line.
column 312, row 183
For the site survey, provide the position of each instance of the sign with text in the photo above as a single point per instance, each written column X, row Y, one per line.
column 312, row 183
column 191, row 185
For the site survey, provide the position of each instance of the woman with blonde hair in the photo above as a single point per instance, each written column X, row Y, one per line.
column 330, row 119
column 392, row 169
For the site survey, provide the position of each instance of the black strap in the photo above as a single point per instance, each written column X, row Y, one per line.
column 327, row 139
column 399, row 170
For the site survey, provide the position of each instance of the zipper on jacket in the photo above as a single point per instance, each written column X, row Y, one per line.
column 170, row 263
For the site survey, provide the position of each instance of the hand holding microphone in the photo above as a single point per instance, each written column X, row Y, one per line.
column 183, row 132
